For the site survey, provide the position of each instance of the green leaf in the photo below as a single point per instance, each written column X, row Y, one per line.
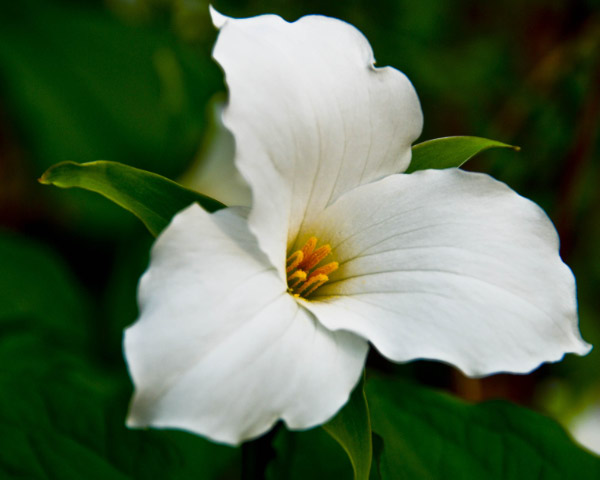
column 430, row 435
column 312, row 454
column 377, row 451
column 450, row 152
column 61, row 419
column 351, row 428
column 150, row 197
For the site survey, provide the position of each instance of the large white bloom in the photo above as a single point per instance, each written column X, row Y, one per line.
column 443, row 265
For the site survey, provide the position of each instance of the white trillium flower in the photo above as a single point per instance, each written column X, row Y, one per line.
column 253, row 315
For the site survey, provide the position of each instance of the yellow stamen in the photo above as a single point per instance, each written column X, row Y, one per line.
column 316, row 257
column 294, row 260
column 300, row 279
column 314, row 287
column 296, row 278
column 325, row 269
column 309, row 246
column 314, row 282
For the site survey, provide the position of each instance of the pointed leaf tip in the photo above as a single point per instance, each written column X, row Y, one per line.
column 450, row 152
column 150, row 197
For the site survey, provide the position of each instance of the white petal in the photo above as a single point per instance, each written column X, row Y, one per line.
column 220, row 348
column 213, row 172
column 312, row 118
column 218, row 19
column 452, row 266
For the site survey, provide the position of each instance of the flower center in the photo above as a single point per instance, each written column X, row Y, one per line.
column 304, row 275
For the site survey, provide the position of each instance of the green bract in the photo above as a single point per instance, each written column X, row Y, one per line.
column 150, row 197
column 449, row 152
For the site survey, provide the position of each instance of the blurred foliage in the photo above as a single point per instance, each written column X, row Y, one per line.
column 130, row 81
column 61, row 413
column 430, row 436
column 61, row 420
column 80, row 85
column 313, row 454
column 56, row 308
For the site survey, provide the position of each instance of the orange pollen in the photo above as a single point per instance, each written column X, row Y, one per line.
column 311, row 285
column 325, row 269
column 316, row 257
column 309, row 246
column 304, row 275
